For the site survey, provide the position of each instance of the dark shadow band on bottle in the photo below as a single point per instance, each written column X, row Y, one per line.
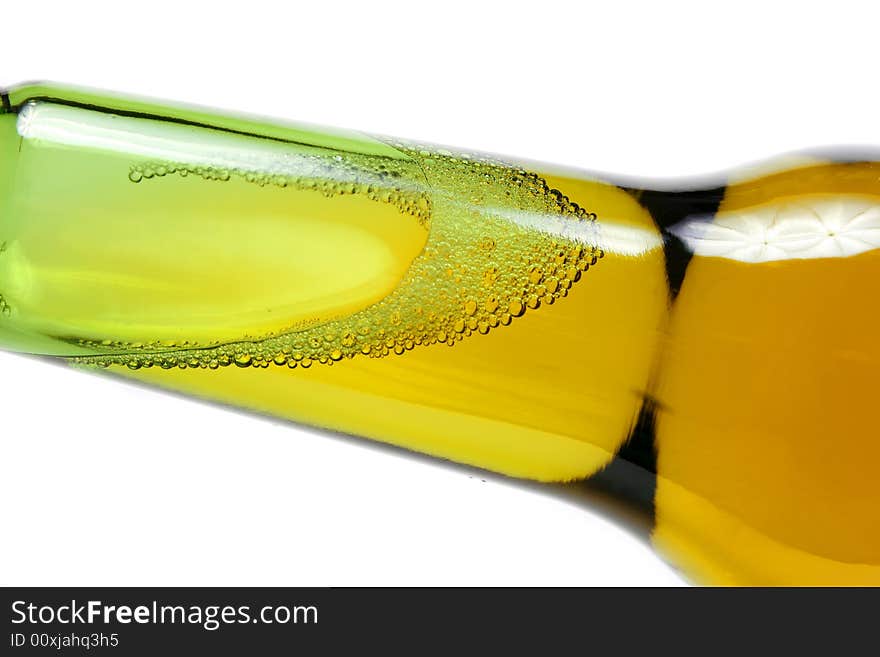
column 631, row 476
column 669, row 208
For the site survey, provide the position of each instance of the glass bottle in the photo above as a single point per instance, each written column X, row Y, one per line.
column 707, row 349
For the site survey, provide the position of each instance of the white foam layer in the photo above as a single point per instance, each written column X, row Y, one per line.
column 820, row 226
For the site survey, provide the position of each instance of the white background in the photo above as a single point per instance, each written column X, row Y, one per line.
column 105, row 483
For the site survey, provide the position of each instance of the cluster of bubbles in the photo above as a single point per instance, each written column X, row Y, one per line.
column 482, row 266
column 384, row 181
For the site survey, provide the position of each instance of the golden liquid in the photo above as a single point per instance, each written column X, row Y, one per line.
column 516, row 400
column 767, row 440
column 509, row 318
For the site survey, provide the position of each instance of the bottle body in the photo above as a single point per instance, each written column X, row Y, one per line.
column 517, row 318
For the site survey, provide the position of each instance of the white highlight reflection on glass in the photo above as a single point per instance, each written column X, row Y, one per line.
column 169, row 142
column 608, row 235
